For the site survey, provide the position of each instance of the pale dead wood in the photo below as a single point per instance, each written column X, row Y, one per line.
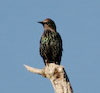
column 57, row 76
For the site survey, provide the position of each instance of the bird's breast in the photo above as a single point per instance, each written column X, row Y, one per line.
column 44, row 40
column 48, row 38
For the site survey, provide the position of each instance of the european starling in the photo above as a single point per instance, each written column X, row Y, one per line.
column 50, row 43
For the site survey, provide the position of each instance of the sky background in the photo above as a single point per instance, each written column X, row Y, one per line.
column 77, row 21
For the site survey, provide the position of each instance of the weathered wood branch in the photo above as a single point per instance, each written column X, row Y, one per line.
column 57, row 76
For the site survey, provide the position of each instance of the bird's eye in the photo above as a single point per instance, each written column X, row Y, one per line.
column 46, row 23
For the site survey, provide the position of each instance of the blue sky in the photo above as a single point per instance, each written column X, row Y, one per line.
column 78, row 22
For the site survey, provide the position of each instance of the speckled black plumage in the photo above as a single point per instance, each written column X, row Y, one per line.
column 50, row 43
column 51, row 47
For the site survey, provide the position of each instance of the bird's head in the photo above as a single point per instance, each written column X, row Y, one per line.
column 48, row 24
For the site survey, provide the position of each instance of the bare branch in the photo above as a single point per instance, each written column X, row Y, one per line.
column 57, row 76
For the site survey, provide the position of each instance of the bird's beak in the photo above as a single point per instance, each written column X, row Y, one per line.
column 41, row 22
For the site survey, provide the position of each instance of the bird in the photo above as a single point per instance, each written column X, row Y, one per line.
column 50, row 43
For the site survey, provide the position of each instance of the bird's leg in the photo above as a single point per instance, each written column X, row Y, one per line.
column 46, row 62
